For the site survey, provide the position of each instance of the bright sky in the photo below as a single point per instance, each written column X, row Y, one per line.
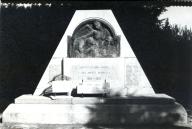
column 182, row 16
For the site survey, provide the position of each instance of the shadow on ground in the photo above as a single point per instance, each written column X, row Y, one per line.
column 121, row 113
column 133, row 113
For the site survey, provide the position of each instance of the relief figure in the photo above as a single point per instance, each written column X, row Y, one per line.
column 94, row 40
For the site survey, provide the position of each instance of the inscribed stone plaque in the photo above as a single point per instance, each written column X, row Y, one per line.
column 94, row 73
column 55, row 69
column 135, row 79
column 96, row 70
column 89, row 69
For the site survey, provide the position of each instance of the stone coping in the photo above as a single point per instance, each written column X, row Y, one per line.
column 144, row 99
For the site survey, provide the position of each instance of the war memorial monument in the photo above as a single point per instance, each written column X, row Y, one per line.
column 94, row 78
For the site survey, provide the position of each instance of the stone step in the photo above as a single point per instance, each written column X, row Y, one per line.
column 147, row 99
column 102, row 114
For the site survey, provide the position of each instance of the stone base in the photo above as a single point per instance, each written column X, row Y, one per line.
column 95, row 111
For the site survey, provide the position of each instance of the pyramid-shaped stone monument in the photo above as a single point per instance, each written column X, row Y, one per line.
column 111, row 59
column 94, row 77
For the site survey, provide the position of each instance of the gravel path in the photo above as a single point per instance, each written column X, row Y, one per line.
column 92, row 127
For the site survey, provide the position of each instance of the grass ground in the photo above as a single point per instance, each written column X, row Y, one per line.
column 92, row 127
column 36, row 126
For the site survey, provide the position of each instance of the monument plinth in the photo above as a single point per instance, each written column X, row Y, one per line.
column 94, row 78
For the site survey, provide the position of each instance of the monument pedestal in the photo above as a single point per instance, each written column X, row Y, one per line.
column 113, row 111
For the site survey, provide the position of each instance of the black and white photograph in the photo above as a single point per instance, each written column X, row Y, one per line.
column 95, row 64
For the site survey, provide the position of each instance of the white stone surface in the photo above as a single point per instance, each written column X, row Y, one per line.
column 133, row 82
column 149, row 109
column 121, row 74
column 101, row 114
column 62, row 86
column 55, row 68
column 136, row 82
column 95, row 71
column 149, row 98
column 91, row 87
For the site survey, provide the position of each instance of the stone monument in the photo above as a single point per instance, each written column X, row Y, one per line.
column 94, row 78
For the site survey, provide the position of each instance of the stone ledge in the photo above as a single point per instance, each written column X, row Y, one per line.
column 102, row 114
column 147, row 99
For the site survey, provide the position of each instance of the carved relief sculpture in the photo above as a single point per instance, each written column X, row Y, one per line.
column 93, row 38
